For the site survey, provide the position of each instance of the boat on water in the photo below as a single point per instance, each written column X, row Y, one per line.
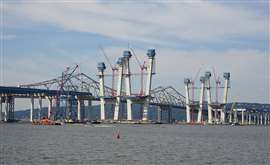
column 47, row 122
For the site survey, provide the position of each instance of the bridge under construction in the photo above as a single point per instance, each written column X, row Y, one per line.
column 75, row 88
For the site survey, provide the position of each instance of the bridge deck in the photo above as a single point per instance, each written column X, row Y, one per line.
column 31, row 92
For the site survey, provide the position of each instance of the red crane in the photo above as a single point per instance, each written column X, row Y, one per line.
column 142, row 68
column 113, row 68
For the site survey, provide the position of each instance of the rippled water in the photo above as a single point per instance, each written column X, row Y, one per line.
column 138, row 144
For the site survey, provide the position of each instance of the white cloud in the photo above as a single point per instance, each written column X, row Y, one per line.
column 150, row 22
column 250, row 70
column 155, row 23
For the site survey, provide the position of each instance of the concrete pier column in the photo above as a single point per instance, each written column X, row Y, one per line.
column 243, row 117
column 49, row 108
column 68, row 107
column 89, row 113
column 31, row 109
column 202, row 80
column 6, row 109
column 230, row 117
column 151, row 53
column 101, row 68
column 79, row 109
column 226, row 76
column 261, row 119
column 82, row 110
column 159, row 114
column 170, row 115
column 235, row 116
column 249, row 119
column 1, row 109
column 126, row 57
column 258, row 118
column 208, row 89
column 268, row 118
column 265, row 118
column 187, row 84
column 40, row 108
column 119, row 89
column 57, row 109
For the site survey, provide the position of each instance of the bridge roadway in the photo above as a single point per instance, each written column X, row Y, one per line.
column 163, row 98
column 9, row 93
column 32, row 92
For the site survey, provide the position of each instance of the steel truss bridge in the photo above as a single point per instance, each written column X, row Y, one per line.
column 80, row 87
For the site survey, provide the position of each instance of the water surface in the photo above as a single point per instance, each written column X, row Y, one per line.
column 138, row 144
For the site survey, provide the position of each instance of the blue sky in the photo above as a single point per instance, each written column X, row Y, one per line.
column 40, row 38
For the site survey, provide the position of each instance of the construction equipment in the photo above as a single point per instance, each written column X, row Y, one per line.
column 142, row 68
column 113, row 68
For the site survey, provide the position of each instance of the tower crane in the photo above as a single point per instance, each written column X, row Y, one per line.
column 142, row 68
column 217, row 81
column 113, row 68
column 193, row 88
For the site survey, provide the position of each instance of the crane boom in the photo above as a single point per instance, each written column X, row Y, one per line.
column 106, row 57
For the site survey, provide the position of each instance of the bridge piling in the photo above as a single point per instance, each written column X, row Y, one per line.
column 31, row 109
column 1, row 109
column 159, row 114
column 68, row 107
column 89, row 111
column 40, row 107
column 79, row 104
column 243, row 117
column 249, row 119
column 49, row 108
column 101, row 68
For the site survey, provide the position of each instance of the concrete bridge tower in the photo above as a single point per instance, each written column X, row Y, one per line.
column 226, row 75
column 127, row 55
column 208, row 90
column 151, row 56
column 187, row 84
column 119, row 88
column 202, row 79
column 101, row 68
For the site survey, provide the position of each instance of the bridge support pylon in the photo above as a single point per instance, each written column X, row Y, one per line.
column 101, row 68
column 151, row 53
column 49, row 108
column 208, row 90
column 40, row 108
column 159, row 114
column 1, row 108
column 119, row 89
column 31, row 109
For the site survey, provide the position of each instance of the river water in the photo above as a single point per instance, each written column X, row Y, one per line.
column 138, row 144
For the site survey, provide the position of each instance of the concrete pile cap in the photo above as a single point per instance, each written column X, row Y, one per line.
column 127, row 54
column 226, row 75
column 101, row 66
column 187, row 81
column 151, row 53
